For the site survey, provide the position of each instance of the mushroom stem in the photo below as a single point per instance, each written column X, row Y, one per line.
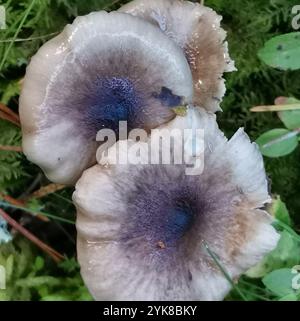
column 56, row 256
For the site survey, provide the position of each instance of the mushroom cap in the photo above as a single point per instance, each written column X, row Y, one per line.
column 102, row 68
column 141, row 228
column 196, row 29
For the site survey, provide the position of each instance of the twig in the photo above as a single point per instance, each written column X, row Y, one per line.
column 56, row 256
column 258, row 109
column 8, row 111
column 21, row 204
column 46, row 190
column 11, row 148
column 9, row 118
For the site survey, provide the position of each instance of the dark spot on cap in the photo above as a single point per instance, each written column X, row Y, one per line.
column 190, row 276
column 167, row 98
column 114, row 100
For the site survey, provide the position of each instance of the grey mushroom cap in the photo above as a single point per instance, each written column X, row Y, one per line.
column 141, row 228
column 103, row 68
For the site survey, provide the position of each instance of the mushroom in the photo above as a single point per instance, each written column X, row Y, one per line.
column 104, row 68
column 196, row 29
column 144, row 229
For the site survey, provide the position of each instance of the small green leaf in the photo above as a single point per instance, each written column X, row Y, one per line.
column 291, row 118
column 282, row 51
column 39, row 263
column 289, row 297
column 280, row 211
column 285, row 255
column 12, row 90
column 280, row 282
column 277, row 142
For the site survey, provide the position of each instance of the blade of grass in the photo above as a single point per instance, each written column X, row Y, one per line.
column 63, row 198
column 26, row 13
column 29, row 39
column 256, row 287
column 33, row 212
column 21, row 203
column 258, row 296
column 223, row 270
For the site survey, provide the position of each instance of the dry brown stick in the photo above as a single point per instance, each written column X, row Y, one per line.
column 9, row 118
column 56, row 256
column 20, row 203
column 46, row 190
column 8, row 111
column 264, row 108
column 11, row 148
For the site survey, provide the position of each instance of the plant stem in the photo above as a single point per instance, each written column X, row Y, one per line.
column 9, row 118
column 28, row 210
column 223, row 270
column 19, row 203
column 46, row 190
column 56, row 256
